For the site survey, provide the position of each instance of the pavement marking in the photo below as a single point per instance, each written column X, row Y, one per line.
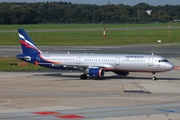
column 47, row 113
column 169, row 110
column 59, row 115
column 72, row 116
column 176, row 67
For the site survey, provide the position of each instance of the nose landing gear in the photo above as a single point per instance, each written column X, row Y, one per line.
column 154, row 77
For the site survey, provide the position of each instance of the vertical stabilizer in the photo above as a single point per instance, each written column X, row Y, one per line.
column 27, row 44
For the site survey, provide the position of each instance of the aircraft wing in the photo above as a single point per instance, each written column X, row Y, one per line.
column 79, row 66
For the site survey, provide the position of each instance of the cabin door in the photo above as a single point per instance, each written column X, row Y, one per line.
column 38, row 59
column 78, row 60
column 150, row 62
column 117, row 61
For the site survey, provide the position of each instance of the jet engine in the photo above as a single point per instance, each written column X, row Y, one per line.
column 96, row 72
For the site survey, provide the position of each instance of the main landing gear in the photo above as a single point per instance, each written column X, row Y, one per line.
column 84, row 75
column 154, row 77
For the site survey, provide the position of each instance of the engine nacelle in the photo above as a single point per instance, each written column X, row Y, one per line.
column 96, row 72
column 121, row 73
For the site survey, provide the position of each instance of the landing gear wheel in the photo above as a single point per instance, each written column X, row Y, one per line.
column 154, row 78
column 83, row 76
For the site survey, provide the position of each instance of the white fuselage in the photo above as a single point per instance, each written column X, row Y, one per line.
column 110, row 62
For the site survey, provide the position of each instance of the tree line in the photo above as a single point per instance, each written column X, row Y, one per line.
column 66, row 12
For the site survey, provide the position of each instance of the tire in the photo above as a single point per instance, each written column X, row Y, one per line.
column 83, row 77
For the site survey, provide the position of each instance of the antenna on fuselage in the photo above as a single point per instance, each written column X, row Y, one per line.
column 152, row 53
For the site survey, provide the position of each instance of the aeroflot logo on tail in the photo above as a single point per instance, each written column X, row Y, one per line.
column 134, row 56
column 27, row 43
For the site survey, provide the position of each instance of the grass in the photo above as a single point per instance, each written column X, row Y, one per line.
column 85, row 35
column 4, row 65
column 95, row 37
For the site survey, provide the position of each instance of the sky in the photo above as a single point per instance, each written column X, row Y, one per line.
column 103, row 2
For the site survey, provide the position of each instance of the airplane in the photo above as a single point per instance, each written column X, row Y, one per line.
column 93, row 65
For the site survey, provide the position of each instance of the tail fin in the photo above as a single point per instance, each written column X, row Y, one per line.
column 27, row 44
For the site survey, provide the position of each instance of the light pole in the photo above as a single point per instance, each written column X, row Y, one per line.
column 138, row 13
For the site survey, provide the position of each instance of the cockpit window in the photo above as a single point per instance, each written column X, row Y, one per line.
column 163, row 60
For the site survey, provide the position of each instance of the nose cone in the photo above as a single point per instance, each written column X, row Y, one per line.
column 169, row 66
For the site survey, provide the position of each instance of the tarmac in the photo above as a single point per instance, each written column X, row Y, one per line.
column 52, row 95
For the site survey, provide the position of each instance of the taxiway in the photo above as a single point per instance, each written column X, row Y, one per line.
column 44, row 95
